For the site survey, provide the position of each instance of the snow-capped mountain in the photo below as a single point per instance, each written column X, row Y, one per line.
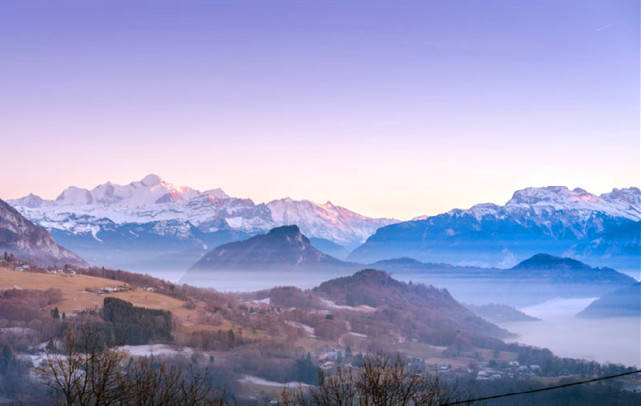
column 554, row 219
column 325, row 220
column 111, row 223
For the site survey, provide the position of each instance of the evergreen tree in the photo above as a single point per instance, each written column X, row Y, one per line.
column 348, row 353
column 6, row 359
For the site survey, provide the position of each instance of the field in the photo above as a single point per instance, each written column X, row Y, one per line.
column 81, row 292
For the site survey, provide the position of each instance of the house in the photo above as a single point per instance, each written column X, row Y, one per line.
column 328, row 365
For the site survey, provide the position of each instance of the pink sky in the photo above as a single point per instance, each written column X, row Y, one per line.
column 391, row 112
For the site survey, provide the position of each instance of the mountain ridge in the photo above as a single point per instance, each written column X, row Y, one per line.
column 282, row 248
column 115, row 225
column 624, row 302
column 551, row 219
column 27, row 241
column 534, row 280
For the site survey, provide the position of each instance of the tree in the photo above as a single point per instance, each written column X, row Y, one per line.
column 381, row 381
column 86, row 372
column 157, row 383
column 306, row 370
column 348, row 353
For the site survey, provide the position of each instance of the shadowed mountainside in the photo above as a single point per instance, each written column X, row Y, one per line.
column 534, row 280
column 417, row 308
column 625, row 302
column 22, row 238
column 282, row 248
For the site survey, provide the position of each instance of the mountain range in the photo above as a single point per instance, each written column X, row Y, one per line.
column 536, row 279
column 603, row 230
column 151, row 224
column 27, row 241
column 533, row 280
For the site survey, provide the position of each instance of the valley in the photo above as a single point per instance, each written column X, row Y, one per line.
column 272, row 309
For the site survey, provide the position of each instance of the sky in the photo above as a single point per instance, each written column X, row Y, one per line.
column 389, row 108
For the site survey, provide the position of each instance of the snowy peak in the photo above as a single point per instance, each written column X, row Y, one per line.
column 151, row 180
column 75, row 196
column 217, row 193
column 326, row 221
column 629, row 198
column 618, row 203
column 153, row 199
column 150, row 190
column 30, row 201
column 553, row 219
column 624, row 203
column 548, row 195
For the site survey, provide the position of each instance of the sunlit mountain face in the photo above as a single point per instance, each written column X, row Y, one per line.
column 151, row 223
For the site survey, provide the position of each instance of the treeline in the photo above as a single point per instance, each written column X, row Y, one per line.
column 551, row 365
column 608, row 393
column 136, row 325
column 81, row 371
column 210, row 297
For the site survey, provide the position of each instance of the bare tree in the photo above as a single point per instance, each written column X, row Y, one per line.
column 380, row 381
column 87, row 373
column 164, row 384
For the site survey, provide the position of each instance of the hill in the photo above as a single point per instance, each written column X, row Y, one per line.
column 282, row 248
column 559, row 270
column 22, row 238
column 420, row 311
column 499, row 313
column 534, row 280
column 624, row 302
column 602, row 229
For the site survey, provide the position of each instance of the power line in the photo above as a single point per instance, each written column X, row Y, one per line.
column 565, row 385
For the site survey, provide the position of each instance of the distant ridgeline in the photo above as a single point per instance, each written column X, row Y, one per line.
column 624, row 302
column 152, row 224
column 136, row 325
column 602, row 230
column 534, row 280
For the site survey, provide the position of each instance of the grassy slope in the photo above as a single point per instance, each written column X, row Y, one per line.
column 77, row 290
column 79, row 293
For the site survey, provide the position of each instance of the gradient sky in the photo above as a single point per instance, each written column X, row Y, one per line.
column 395, row 108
